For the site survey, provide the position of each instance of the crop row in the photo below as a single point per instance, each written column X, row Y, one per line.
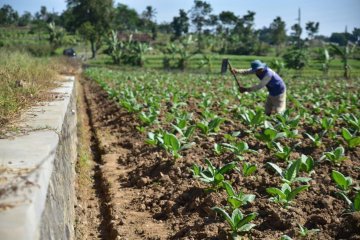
column 174, row 110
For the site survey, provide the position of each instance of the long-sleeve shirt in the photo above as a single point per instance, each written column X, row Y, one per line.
column 263, row 82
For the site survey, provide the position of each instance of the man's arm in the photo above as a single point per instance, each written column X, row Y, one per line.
column 266, row 79
column 242, row 71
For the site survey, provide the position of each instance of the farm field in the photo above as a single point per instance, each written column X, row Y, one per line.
column 185, row 156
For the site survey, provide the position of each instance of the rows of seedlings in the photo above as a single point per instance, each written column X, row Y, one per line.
column 285, row 176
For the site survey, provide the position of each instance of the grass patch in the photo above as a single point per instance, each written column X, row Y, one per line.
column 23, row 80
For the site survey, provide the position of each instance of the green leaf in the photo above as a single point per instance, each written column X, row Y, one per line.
column 339, row 178
column 357, row 202
column 226, row 216
column 297, row 190
column 246, row 227
column 229, row 189
column 227, row 168
column 246, row 220
column 276, row 192
column 354, row 142
column 171, row 140
column 346, row 134
column 276, row 168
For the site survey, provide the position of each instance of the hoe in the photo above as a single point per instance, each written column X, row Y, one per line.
column 224, row 66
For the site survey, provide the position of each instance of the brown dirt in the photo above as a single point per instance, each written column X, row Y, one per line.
column 149, row 195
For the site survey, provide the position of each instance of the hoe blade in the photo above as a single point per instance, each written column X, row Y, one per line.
column 224, row 66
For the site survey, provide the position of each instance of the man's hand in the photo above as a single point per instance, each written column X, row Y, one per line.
column 233, row 71
column 242, row 89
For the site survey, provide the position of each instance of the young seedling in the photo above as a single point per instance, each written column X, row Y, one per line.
column 283, row 153
column 351, row 140
column 304, row 232
column 316, row 139
column 336, row 156
column 342, row 182
column 268, row 136
column 253, row 119
column 290, row 174
column 237, row 148
column 285, row 194
column 239, row 223
column 237, row 200
column 248, row 169
column 354, row 206
column 210, row 127
column 218, row 149
column 307, row 164
column 352, row 121
column 212, row 175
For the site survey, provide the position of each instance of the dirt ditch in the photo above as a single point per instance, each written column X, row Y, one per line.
column 137, row 191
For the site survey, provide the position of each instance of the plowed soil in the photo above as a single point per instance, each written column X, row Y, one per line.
column 147, row 194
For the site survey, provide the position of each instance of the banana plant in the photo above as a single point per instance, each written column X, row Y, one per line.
column 239, row 223
column 289, row 175
column 285, row 195
column 212, row 175
column 350, row 139
column 344, row 53
column 237, row 200
column 342, row 182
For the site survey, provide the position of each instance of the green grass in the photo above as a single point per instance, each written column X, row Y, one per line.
column 23, row 79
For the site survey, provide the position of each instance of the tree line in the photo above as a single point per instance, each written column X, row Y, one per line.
column 97, row 21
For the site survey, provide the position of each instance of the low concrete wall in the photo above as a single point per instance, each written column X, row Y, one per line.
column 38, row 171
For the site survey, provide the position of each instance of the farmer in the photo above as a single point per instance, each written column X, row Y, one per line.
column 276, row 100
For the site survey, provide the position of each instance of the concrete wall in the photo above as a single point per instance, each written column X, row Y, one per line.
column 38, row 171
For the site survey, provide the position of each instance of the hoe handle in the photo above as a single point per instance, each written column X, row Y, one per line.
column 237, row 81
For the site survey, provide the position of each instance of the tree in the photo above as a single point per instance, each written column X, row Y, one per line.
column 93, row 18
column 312, row 28
column 200, row 17
column 244, row 36
column 297, row 33
column 126, row 18
column 278, row 33
column 180, row 24
column 340, row 38
column 25, row 19
column 8, row 15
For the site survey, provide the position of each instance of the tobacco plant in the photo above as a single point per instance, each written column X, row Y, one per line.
column 248, row 169
column 237, row 148
column 354, row 205
column 285, row 194
column 336, row 156
column 239, row 223
column 342, row 182
column 268, row 136
column 350, row 139
column 211, row 127
column 304, row 232
column 289, row 175
column 315, row 139
column 237, row 200
column 212, row 175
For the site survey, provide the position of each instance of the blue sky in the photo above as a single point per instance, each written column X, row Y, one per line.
column 333, row 15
